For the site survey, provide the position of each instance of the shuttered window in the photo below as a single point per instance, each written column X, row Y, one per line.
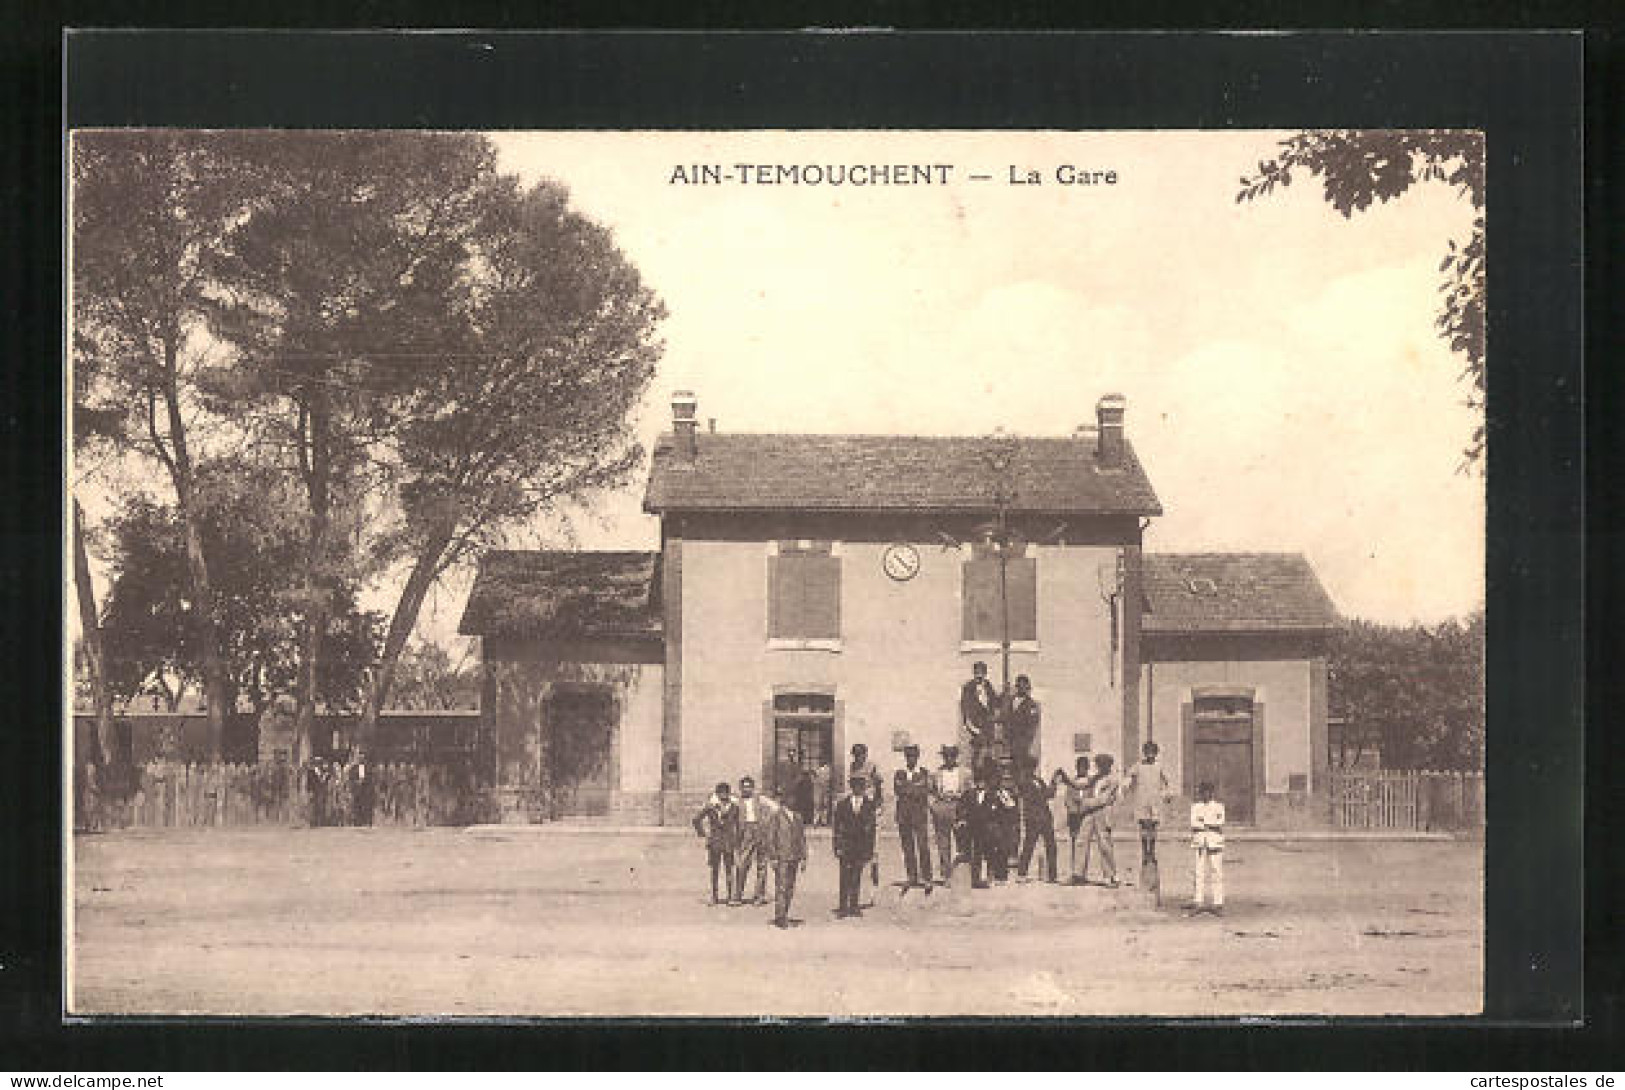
column 983, row 608
column 805, row 588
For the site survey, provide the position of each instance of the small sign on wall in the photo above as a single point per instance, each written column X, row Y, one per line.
column 899, row 740
column 1081, row 742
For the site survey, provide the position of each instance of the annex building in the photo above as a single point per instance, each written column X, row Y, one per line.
column 812, row 591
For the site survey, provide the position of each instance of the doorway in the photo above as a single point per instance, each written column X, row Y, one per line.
column 803, row 746
column 580, row 752
column 1222, row 753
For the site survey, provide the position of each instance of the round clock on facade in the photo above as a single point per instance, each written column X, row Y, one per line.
column 901, row 562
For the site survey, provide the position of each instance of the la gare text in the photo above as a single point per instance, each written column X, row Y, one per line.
column 879, row 174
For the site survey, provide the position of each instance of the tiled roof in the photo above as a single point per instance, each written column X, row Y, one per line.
column 733, row 472
column 563, row 594
column 1234, row 592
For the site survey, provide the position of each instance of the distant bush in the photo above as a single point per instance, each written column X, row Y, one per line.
column 1414, row 692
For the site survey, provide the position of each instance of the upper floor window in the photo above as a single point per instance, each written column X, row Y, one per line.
column 986, row 605
column 804, row 592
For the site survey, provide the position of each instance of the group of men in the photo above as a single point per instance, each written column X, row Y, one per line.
column 746, row 836
column 993, row 820
column 982, row 713
column 749, row 835
column 991, row 815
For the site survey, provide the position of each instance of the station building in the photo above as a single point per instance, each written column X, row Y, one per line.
column 812, row 591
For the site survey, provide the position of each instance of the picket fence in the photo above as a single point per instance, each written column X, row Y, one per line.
column 1407, row 799
column 173, row 795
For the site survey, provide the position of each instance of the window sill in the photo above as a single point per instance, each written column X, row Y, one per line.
column 1017, row 647
column 832, row 645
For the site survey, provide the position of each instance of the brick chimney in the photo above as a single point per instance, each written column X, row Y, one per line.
column 684, row 424
column 1109, row 444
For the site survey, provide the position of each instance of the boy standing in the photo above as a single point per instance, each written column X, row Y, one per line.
column 1078, row 791
column 717, row 824
column 785, row 841
column 1147, row 788
column 853, row 831
column 1098, row 820
column 949, row 785
column 1207, row 842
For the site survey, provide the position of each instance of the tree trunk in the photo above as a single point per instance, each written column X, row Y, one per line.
column 317, row 482
column 315, row 620
column 91, row 630
column 401, row 623
column 210, row 662
column 179, row 460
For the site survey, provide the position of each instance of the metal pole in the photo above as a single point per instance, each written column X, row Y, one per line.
column 1004, row 615
column 999, row 461
column 1150, row 696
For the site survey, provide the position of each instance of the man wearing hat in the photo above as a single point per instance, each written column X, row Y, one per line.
column 863, row 767
column 852, row 828
column 977, row 709
column 785, row 843
column 949, row 785
column 754, row 811
column 912, row 785
column 1023, row 722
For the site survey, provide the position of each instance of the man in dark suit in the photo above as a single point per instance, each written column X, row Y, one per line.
column 976, row 711
column 785, row 842
column 989, row 811
column 853, row 830
column 912, row 786
column 1033, row 794
column 1026, row 717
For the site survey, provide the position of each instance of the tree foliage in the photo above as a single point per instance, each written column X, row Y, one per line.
column 147, row 622
column 407, row 353
column 1415, row 692
column 1360, row 167
column 410, row 322
column 427, row 679
column 535, row 407
column 336, row 291
column 148, row 208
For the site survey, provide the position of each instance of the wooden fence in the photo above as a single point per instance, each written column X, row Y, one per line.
column 1407, row 799
column 174, row 795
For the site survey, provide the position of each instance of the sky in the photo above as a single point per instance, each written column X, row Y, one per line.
column 1286, row 387
column 1287, row 390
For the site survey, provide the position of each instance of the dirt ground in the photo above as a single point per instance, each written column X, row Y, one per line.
column 457, row 922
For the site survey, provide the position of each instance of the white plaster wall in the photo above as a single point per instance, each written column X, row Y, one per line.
column 1282, row 686
column 640, row 730
column 900, row 664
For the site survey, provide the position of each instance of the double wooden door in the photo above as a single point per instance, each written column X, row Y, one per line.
column 1224, row 757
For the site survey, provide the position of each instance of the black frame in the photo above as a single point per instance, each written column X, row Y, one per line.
column 1523, row 89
